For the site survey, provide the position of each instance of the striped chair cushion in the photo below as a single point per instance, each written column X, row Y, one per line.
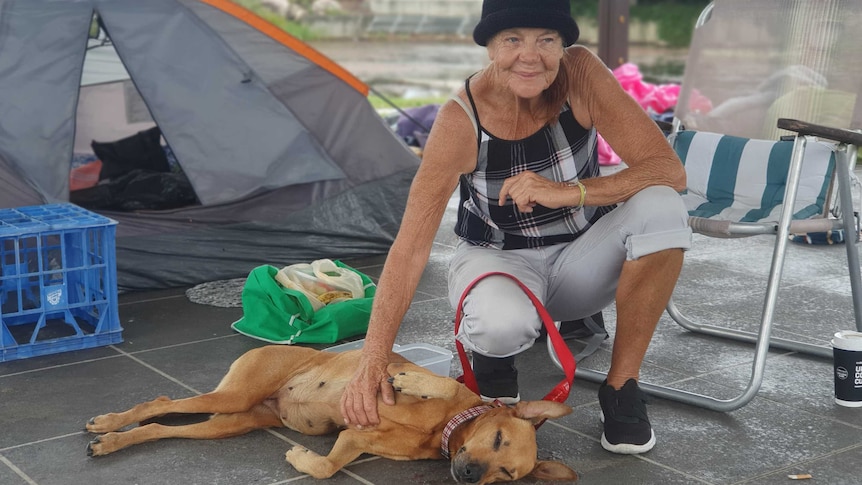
column 743, row 180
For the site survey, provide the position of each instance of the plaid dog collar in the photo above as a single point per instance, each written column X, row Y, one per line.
column 461, row 418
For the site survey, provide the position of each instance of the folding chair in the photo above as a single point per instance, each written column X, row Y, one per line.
column 754, row 69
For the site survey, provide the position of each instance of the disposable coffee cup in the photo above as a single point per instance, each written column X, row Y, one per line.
column 847, row 352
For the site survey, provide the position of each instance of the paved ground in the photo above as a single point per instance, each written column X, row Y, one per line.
column 178, row 348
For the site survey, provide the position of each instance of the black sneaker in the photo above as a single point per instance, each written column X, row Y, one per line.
column 497, row 378
column 576, row 329
column 627, row 428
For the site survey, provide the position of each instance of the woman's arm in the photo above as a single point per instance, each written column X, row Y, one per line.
column 599, row 100
column 449, row 152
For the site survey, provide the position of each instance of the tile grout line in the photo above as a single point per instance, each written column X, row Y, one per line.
column 343, row 470
column 17, row 470
column 355, row 476
column 791, row 466
column 159, row 372
column 120, row 353
column 151, row 300
column 639, row 457
column 60, row 366
column 430, row 297
column 44, row 440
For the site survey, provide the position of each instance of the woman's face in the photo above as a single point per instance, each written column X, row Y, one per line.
column 526, row 60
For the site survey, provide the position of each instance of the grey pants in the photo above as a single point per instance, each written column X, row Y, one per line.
column 573, row 280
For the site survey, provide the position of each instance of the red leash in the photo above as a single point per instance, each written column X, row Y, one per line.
column 561, row 391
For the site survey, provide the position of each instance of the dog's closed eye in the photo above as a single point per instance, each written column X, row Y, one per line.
column 498, row 440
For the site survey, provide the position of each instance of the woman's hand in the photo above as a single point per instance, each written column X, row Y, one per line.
column 359, row 400
column 528, row 190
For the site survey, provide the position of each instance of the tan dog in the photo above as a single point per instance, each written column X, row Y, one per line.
column 300, row 388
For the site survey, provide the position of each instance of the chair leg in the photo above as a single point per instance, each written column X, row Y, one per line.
column 851, row 233
column 761, row 350
column 851, row 245
column 758, row 365
column 744, row 336
column 763, row 339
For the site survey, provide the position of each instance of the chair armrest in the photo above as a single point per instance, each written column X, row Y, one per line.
column 834, row 134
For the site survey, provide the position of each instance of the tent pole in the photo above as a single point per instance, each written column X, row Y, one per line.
column 414, row 120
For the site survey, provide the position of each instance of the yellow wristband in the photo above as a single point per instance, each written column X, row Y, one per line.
column 583, row 190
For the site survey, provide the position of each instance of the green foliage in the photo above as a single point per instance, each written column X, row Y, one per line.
column 297, row 30
column 675, row 21
column 675, row 18
column 585, row 8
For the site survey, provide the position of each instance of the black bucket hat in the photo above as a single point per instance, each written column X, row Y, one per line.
column 500, row 15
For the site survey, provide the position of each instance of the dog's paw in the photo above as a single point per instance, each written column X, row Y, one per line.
column 424, row 386
column 102, row 445
column 307, row 461
column 103, row 423
column 410, row 383
column 92, row 447
column 294, row 452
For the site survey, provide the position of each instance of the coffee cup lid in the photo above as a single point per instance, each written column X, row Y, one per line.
column 848, row 340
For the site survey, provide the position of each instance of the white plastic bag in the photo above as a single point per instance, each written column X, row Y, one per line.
column 338, row 278
column 322, row 282
column 292, row 277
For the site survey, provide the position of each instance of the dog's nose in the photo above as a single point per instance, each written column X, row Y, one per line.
column 469, row 473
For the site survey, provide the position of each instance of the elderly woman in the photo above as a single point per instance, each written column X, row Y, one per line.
column 520, row 139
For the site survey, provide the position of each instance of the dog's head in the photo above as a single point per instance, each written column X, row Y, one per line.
column 500, row 446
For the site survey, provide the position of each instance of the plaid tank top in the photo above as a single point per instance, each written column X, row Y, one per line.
column 562, row 151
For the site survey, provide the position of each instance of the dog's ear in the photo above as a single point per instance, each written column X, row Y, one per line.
column 541, row 410
column 553, row 471
column 537, row 411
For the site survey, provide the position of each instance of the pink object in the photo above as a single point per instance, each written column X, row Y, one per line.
column 606, row 155
column 652, row 98
column 661, row 99
column 699, row 103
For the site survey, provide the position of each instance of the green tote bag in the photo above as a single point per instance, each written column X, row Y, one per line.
column 280, row 315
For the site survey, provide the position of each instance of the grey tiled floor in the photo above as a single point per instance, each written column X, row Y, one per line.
column 178, row 348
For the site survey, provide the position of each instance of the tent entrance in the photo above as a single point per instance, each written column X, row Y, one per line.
column 120, row 161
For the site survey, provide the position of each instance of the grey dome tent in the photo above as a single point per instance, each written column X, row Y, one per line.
column 287, row 159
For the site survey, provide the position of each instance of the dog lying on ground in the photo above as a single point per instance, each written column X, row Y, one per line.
column 300, row 388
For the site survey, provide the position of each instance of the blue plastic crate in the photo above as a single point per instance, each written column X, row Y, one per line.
column 58, row 281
